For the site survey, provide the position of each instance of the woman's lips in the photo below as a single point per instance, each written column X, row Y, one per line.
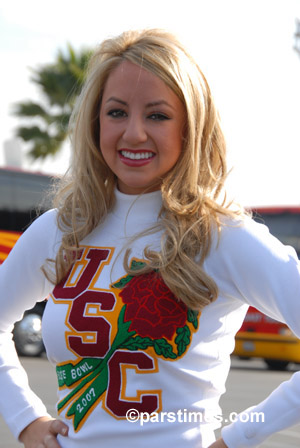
column 138, row 157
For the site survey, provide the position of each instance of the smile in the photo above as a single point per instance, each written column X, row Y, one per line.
column 137, row 155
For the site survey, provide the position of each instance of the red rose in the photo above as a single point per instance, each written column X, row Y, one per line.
column 152, row 308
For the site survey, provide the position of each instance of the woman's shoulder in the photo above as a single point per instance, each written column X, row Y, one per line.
column 234, row 231
column 49, row 217
column 246, row 236
column 43, row 234
column 44, row 223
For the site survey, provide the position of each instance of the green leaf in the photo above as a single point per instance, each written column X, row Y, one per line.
column 122, row 282
column 138, row 342
column 31, row 133
column 136, row 265
column 163, row 348
column 29, row 109
column 182, row 339
column 42, row 143
column 192, row 316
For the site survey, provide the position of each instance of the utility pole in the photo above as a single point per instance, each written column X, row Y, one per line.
column 297, row 37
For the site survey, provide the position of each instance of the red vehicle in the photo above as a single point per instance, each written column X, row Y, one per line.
column 260, row 336
column 20, row 194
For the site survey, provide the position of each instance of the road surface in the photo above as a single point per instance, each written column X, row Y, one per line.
column 248, row 383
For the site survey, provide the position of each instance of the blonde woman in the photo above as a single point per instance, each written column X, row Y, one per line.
column 149, row 270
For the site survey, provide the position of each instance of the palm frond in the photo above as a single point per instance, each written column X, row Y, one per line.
column 59, row 83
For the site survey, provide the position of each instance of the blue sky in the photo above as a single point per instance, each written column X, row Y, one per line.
column 245, row 48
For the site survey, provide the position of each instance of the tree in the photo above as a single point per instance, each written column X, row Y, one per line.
column 60, row 83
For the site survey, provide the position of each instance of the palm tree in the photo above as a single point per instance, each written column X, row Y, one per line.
column 60, row 83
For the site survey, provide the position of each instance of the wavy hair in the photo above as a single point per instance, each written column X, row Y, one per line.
column 192, row 192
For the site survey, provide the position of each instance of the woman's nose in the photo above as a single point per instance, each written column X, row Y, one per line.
column 135, row 132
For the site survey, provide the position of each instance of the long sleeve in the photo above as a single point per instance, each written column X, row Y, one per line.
column 257, row 269
column 22, row 284
column 277, row 412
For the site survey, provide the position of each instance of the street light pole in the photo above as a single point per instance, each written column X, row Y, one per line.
column 297, row 37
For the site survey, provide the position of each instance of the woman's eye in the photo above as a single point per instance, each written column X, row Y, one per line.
column 158, row 117
column 116, row 113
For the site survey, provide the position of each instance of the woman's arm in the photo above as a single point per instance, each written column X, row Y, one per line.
column 22, row 283
column 278, row 411
column 255, row 268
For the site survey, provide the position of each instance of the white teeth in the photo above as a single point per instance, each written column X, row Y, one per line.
column 137, row 155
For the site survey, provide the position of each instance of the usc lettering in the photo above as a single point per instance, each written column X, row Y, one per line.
column 128, row 326
column 99, row 335
column 89, row 336
column 117, row 403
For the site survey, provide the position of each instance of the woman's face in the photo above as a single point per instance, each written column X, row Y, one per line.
column 141, row 128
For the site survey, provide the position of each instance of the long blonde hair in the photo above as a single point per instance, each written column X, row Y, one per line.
column 190, row 191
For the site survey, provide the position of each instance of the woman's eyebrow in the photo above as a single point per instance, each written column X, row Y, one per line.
column 113, row 98
column 159, row 103
column 151, row 104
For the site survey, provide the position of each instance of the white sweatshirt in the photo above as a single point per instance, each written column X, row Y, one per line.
column 126, row 346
